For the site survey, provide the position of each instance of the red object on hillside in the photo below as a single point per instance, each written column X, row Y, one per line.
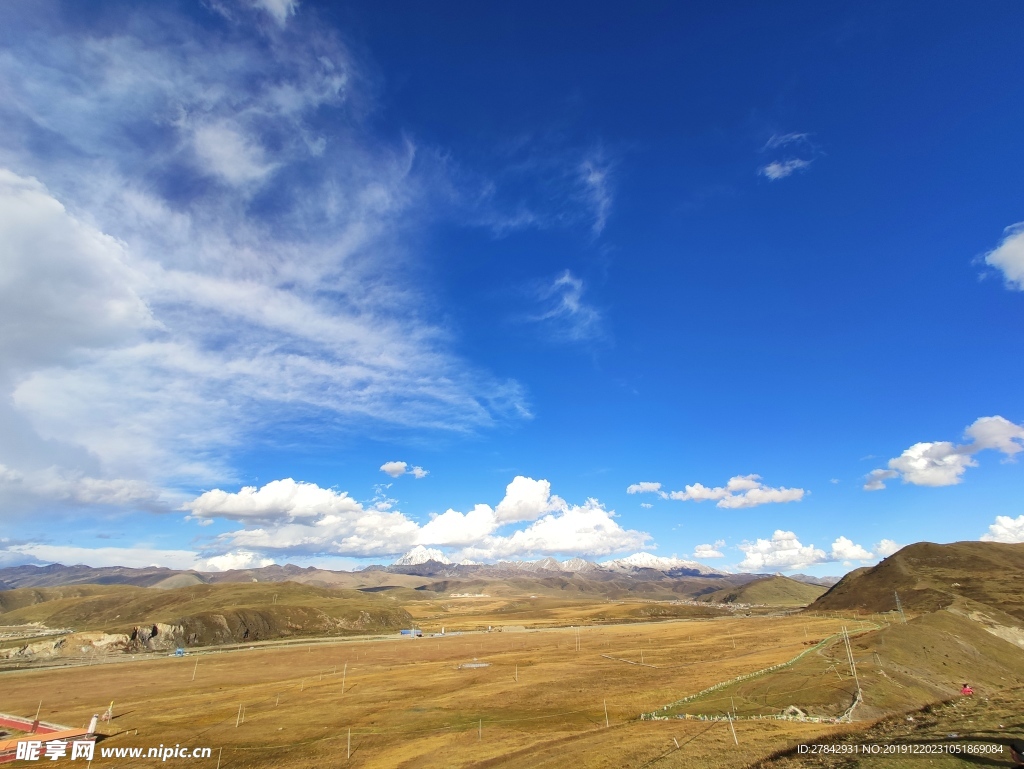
column 967, row 691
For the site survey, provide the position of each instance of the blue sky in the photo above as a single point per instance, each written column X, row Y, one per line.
column 743, row 282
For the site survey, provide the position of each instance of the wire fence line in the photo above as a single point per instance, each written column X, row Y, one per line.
column 658, row 715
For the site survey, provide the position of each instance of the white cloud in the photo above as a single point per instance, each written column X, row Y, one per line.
column 54, row 484
column 741, row 491
column 932, row 464
column 459, row 529
column 225, row 151
column 239, row 559
column 996, row 433
column 1005, row 529
column 887, row 547
column 564, row 311
column 942, row 463
column 875, row 480
column 783, row 552
column 595, row 176
column 644, row 487
column 152, row 322
column 1008, row 256
column 65, row 286
column 395, row 469
column 527, row 500
column 844, row 549
column 780, row 169
column 586, row 529
column 285, row 499
column 139, row 556
column 781, row 140
column 710, row 551
column 646, row 505
column 279, row 10
column 286, row 516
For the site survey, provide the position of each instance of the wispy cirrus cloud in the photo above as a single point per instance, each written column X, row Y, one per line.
column 203, row 241
column 780, row 169
column 564, row 312
column 801, row 154
column 782, row 140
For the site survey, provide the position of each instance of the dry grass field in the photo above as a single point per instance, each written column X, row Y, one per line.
column 409, row 703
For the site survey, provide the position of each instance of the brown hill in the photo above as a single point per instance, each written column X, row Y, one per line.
column 770, row 591
column 930, row 577
column 203, row 614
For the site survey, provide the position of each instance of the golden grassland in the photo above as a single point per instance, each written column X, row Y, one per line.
column 899, row 667
column 409, row 703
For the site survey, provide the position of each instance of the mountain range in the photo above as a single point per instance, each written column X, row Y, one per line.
column 420, row 562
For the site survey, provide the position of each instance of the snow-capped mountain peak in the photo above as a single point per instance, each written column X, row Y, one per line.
column 578, row 565
column 420, row 554
column 661, row 563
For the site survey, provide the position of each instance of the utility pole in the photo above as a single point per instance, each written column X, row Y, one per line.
column 899, row 606
column 853, row 665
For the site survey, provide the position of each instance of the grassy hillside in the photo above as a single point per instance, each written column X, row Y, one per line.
column 992, row 721
column 204, row 614
column 930, row 577
column 770, row 591
column 900, row 667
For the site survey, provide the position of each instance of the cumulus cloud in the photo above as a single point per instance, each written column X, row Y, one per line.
column 587, row 528
column 741, row 491
column 785, row 552
column 710, row 551
column 527, row 500
column 780, row 169
column 646, row 505
column 286, row 516
column 239, row 559
column 887, row 547
column 844, row 549
column 1005, row 529
column 284, row 499
column 395, row 469
column 782, row 552
column 644, row 487
column 1008, row 256
column 943, row 463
